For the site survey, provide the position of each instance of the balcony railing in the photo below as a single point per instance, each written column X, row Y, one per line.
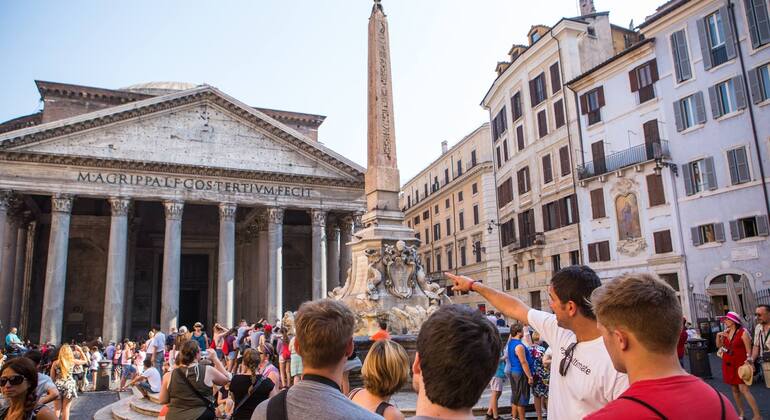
column 637, row 154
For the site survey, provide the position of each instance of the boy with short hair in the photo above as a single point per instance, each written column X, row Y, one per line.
column 640, row 319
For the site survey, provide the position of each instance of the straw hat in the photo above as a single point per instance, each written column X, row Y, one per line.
column 746, row 373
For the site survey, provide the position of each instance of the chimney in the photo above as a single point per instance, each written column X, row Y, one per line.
column 587, row 7
column 444, row 147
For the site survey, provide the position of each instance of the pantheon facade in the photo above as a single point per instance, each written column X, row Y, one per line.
column 166, row 203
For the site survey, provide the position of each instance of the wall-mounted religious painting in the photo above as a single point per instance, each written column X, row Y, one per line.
column 627, row 213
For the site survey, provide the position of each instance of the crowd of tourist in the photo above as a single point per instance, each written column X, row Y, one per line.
column 605, row 352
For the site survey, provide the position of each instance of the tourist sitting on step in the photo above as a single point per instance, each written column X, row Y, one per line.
column 148, row 381
column 458, row 351
column 18, row 382
column 324, row 339
column 385, row 371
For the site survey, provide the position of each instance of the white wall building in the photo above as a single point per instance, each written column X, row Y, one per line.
column 626, row 193
column 534, row 135
column 714, row 87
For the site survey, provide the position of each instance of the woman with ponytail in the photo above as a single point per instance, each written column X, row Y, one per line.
column 18, row 382
column 61, row 373
column 249, row 388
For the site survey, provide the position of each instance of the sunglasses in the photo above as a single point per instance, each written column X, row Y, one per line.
column 566, row 361
column 13, row 380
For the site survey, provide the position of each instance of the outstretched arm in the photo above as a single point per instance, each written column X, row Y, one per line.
column 507, row 304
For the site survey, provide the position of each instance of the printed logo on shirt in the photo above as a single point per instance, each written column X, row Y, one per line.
column 576, row 362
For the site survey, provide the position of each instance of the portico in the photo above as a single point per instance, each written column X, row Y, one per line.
column 171, row 209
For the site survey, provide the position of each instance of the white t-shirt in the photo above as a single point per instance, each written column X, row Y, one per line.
column 591, row 381
column 153, row 378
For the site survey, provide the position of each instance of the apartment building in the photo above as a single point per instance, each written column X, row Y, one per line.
column 450, row 205
column 714, row 90
column 534, row 136
column 627, row 200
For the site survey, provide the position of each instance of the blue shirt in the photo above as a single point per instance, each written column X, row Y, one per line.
column 513, row 359
column 12, row 338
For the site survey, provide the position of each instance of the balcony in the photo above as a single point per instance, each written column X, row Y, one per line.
column 624, row 158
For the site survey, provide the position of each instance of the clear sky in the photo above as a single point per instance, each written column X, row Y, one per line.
column 299, row 55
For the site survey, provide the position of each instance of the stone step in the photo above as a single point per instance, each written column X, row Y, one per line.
column 121, row 410
column 145, row 406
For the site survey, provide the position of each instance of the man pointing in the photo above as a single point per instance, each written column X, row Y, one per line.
column 583, row 379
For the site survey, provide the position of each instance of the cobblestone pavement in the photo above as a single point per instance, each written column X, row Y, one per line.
column 88, row 403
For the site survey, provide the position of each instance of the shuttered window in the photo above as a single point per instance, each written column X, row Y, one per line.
column 759, row 23
column 560, row 213
column 597, row 204
column 655, row 190
column 508, row 232
column 564, row 163
column 475, row 214
column 516, row 106
column 748, row 227
column 759, row 83
column 642, row 80
column 526, row 228
column 547, row 170
column 505, row 193
column 591, row 103
column 520, row 144
column 663, row 242
column 681, row 56
column 499, row 124
column 717, row 42
column 522, row 178
column 599, row 251
column 542, row 124
column 448, row 227
column 727, row 97
column 555, row 78
column 703, row 234
column 558, row 113
column 699, row 176
column 689, row 111
column 461, row 219
column 505, row 150
column 499, row 159
column 537, row 90
column 738, row 163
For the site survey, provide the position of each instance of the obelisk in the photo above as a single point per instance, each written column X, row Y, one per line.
column 386, row 279
column 382, row 179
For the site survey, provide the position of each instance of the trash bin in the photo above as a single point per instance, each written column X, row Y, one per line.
column 103, row 376
column 699, row 357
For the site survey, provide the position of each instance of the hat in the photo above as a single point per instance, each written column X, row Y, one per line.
column 268, row 328
column 732, row 316
column 198, row 324
column 746, row 374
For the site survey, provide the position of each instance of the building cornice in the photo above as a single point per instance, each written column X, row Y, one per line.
column 611, row 65
column 68, row 126
column 174, row 168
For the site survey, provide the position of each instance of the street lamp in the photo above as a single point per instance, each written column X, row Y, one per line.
column 660, row 164
column 490, row 226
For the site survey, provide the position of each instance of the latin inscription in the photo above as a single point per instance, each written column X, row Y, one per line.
column 192, row 184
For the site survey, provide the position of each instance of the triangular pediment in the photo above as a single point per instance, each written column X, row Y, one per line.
column 201, row 127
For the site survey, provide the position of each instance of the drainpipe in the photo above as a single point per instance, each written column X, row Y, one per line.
column 569, row 143
column 688, row 290
column 731, row 12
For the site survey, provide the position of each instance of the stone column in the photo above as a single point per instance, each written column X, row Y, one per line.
column 275, row 263
column 333, row 254
column 318, row 220
column 19, row 266
column 8, row 250
column 346, row 259
column 56, row 270
column 172, row 255
column 115, row 285
column 226, row 272
column 5, row 198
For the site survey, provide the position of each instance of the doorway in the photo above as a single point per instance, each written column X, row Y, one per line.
column 194, row 290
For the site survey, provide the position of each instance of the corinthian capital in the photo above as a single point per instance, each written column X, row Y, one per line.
column 5, row 199
column 173, row 209
column 120, row 206
column 275, row 215
column 61, row 203
column 318, row 217
column 227, row 211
